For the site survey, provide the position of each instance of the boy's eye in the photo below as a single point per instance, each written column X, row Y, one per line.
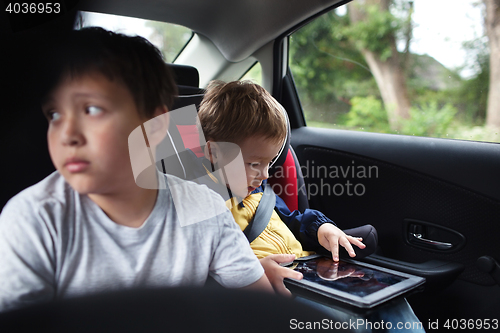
column 53, row 116
column 93, row 110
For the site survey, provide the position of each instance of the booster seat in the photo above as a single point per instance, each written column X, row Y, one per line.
column 286, row 177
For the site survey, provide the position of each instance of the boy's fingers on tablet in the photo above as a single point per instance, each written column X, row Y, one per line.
column 333, row 246
column 356, row 241
column 291, row 274
column 347, row 245
column 277, row 281
column 335, row 252
column 282, row 258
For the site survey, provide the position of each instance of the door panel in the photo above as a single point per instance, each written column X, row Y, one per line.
column 440, row 190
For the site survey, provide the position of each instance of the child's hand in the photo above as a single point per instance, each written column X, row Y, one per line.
column 276, row 273
column 330, row 237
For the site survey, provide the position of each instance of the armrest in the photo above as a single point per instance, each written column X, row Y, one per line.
column 438, row 273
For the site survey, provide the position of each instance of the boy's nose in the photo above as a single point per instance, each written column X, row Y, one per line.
column 264, row 173
column 71, row 134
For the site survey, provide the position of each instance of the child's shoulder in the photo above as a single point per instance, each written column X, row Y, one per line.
column 194, row 202
column 52, row 189
column 190, row 190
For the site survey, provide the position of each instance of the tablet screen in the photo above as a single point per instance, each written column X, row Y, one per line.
column 346, row 277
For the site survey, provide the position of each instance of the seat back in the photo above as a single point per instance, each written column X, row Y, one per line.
column 182, row 132
column 187, row 79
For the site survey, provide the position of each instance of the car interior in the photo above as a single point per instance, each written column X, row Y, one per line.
column 434, row 202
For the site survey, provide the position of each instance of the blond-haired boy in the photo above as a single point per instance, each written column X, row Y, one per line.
column 245, row 114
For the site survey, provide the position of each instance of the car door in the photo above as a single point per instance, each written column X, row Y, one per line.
column 435, row 203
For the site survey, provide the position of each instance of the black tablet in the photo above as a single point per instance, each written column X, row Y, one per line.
column 358, row 284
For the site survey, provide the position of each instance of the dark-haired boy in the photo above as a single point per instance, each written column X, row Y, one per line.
column 88, row 227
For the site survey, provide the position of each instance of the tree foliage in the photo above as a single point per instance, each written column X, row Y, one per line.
column 375, row 32
column 492, row 27
column 171, row 37
column 336, row 86
column 328, row 69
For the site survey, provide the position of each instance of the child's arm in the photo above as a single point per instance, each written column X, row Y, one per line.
column 330, row 237
column 261, row 284
column 276, row 273
column 27, row 271
column 313, row 229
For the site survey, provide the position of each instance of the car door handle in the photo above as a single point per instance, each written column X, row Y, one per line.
column 435, row 244
column 432, row 236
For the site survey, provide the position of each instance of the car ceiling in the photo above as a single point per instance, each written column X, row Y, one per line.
column 237, row 28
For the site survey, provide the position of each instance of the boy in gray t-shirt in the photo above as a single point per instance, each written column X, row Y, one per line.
column 89, row 227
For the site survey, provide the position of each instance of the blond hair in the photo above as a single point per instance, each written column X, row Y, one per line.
column 237, row 110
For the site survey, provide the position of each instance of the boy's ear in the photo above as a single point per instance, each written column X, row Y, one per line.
column 157, row 127
column 212, row 151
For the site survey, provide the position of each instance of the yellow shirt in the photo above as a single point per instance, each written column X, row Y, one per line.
column 276, row 237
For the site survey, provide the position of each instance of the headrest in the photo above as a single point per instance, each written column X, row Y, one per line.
column 185, row 100
column 185, row 75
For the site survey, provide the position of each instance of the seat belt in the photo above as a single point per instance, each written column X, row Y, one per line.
column 262, row 214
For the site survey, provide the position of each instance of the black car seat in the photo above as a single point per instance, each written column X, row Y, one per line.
column 182, row 131
column 288, row 183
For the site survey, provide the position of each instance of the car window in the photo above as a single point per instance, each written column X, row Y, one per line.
column 169, row 38
column 417, row 68
column 254, row 74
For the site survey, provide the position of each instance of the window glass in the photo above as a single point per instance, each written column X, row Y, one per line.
column 415, row 68
column 169, row 38
column 254, row 74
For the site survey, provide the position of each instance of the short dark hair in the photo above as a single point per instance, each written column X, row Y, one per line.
column 131, row 60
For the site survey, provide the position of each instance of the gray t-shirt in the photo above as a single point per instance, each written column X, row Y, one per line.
column 56, row 243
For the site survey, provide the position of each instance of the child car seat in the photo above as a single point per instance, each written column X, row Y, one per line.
column 286, row 177
column 287, row 181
